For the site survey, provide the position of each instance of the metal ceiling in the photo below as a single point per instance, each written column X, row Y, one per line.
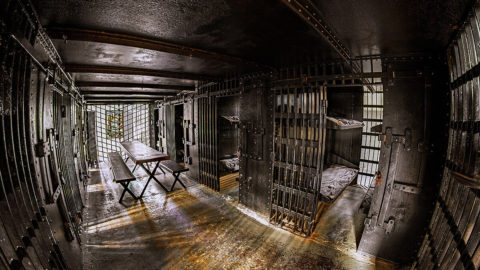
column 178, row 42
column 394, row 26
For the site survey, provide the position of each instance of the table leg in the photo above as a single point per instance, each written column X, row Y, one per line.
column 148, row 166
column 145, row 187
column 126, row 189
column 177, row 175
column 152, row 176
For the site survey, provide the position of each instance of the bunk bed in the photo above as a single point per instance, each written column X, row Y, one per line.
column 342, row 123
column 340, row 171
column 334, row 180
column 229, row 164
column 228, row 161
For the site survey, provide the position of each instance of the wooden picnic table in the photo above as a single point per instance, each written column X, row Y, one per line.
column 142, row 155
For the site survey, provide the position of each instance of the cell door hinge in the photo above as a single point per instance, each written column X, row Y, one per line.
column 390, row 226
column 388, row 138
column 371, row 222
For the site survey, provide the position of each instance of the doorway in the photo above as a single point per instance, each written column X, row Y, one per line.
column 179, row 134
column 175, row 134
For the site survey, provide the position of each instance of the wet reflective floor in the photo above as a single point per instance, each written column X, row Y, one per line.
column 198, row 228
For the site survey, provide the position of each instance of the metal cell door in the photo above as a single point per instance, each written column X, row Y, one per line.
column 207, row 139
column 162, row 130
column 298, row 144
column 400, row 202
column 62, row 143
column 255, row 178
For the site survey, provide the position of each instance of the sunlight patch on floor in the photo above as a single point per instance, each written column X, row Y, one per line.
column 95, row 188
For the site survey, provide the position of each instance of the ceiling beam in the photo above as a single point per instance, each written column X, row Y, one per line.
column 86, row 84
column 118, row 101
column 67, row 33
column 76, row 68
column 91, row 93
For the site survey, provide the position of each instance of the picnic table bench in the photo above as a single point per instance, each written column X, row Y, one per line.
column 175, row 169
column 121, row 173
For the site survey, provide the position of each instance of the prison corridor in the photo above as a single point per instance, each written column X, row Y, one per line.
column 247, row 134
column 198, row 228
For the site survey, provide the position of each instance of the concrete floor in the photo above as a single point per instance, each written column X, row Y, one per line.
column 198, row 228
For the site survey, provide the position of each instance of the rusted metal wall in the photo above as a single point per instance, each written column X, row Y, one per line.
column 42, row 160
column 453, row 237
column 255, row 176
column 404, row 189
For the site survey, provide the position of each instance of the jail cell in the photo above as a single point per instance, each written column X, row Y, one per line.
column 356, row 154
column 207, row 139
column 299, row 137
column 116, row 123
column 228, row 140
